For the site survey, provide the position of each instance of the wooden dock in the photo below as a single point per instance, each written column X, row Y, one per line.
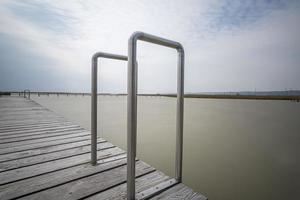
column 44, row 156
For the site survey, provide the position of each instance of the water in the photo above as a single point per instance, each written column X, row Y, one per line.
column 233, row 149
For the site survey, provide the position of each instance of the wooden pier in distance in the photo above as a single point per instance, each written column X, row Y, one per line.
column 44, row 156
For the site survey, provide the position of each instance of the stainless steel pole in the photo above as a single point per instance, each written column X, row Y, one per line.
column 94, row 100
column 94, row 111
column 26, row 91
column 179, row 115
column 131, row 117
column 132, row 105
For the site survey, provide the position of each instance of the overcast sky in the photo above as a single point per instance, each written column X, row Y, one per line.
column 230, row 45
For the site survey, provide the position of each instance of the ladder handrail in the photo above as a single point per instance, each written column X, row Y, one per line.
column 28, row 91
column 94, row 99
column 132, row 106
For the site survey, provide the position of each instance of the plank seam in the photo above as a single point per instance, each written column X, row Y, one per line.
column 55, row 159
column 59, row 169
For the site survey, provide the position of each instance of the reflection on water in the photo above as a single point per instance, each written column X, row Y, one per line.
column 233, row 149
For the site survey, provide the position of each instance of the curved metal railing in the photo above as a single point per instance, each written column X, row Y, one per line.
column 132, row 106
column 94, row 99
column 28, row 92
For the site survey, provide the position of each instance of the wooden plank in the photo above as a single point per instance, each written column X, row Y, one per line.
column 57, row 129
column 28, row 115
column 11, row 105
column 23, row 110
column 20, row 118
column 25, row 114
column 157, row 189
column 56, row 178
column 39, row 169
column 21, row 143
column 20, row 109
column 19, row 134
column 23, row 162
column 34, row 127
column 179, row 192
column 33, row 120
column 23, row 107
column 142, row 183
column 91, row 184
column 43, row 145
column 29, row 123
column 45, row 150
column 40, row 134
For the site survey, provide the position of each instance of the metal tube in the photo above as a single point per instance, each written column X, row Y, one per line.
column 94, row 100
column 94, row 112
column 131, row 117
column 132, row 106
column 179, row 115
column 28, row 91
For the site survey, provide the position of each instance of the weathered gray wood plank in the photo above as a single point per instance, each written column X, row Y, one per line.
column 37, row 135
column 76, row 133
column 30, row 122
column 26, row 114
column 91, row 184
column 45, row 150
column 42, row 145
column 22, row 119
column 33, row 120
column 23, row 162
column 142, row 183
column 38, row 169
column 179, row 192
column 42, row 182
column 19, row 109
column 22, row 136
column 36, row 128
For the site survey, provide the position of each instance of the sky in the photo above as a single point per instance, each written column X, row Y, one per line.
column 230, row 45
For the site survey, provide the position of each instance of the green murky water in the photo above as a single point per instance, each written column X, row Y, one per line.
column 233, row 149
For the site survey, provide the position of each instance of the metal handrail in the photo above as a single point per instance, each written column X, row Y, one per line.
column 132, row 106
column 94, row 99
column 28, row 91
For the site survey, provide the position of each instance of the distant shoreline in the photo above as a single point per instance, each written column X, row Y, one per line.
column 204, row 96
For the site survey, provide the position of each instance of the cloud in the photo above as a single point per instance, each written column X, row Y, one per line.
column 221, row 38
column 42, row 14
column 239, row 14
column 264, row 57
